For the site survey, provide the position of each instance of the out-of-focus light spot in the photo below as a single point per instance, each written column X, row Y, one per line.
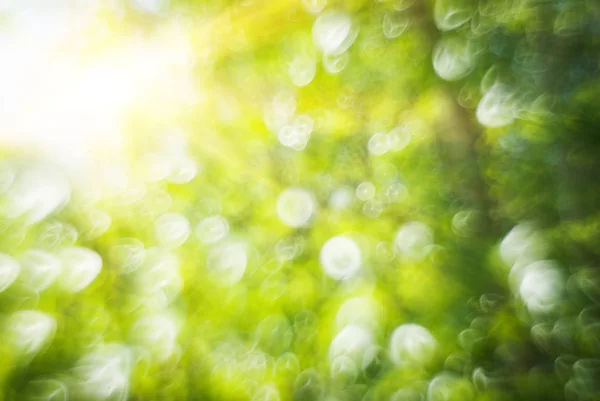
column 212, row 229
column 394, row 24
column 464, row 222
column 308, row 385
column 172, row 230
column 289, row 248
column 343, row 369
column 274, row 334
column 340, row 257
column 362, row 311
column 266, row 392
column 365, row 191
column 413, row 240
column 447, row 387
column 103, row 374
column 411, row 344
column 159, row 276
column 295, row 207
column 227, row 263
column 523, row 244
column 453, row 58
column 80, row 267
column 280, row 111
column 29, row 331
column 302, row 70
column 334, row 32
column 183, row 170
column 96, row 222
column 401, row 5
column 448, row 16
column 541, row 286
column 373, row 207
column 497, row 108
column 9, row 271
column 396, row 192
column 297, row 133
column 38, row 191
column 287, row 365
column 352, row 341
column 128, row 254
column 334, row 64
column 151, row 6
column 398, row 138
column 158, row 334
column 40, row 269
column 314, row 6
column 378, row 144
column 341, row 198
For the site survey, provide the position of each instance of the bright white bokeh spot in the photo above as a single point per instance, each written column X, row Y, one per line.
column 302, row 70
column 412, row 344
column 158, row 334
column 341, row 198
column 362, row 311
column 212, row 229
column 227, row 263
column 159, row 276
column 352, row 341
column 151, row 6
column 40, row 269
column 172, row 230
column 541, row 286
column 394, row 24
column 453, row 58
column 9, row 271
column 37, row 191
column 396, row 192
column 183, row 170
column 378, row 144
column 334, row 32
column 103, row 373
column 523, row 244
column 80, row 267
column 398, row 138
column 497, row 108
column 413, row 240
column 280, row 111
column 96, row 223
column 365, row 191
column 295, row 207
column 340, row 257
column 29, row 331
column 296, row 133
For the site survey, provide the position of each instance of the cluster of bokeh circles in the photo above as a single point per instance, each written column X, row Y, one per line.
column 364, row 200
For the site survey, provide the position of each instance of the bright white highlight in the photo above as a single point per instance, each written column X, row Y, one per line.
column 414, row 240
column 30, row 331
column 353, row 341
column 541, row 286
column 523, row 244
column 80, row 267
column 340, row 257
column 411, row 344
column 212, row 229
column 453, row 59
column 40, row 269
column 172, row 230
column 158, row 334
column 9, row 271
column 497, row 108
column 295, row 207
column 334, row 32
column 226, row 263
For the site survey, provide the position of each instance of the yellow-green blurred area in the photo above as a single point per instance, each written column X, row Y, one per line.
column 303, row 200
